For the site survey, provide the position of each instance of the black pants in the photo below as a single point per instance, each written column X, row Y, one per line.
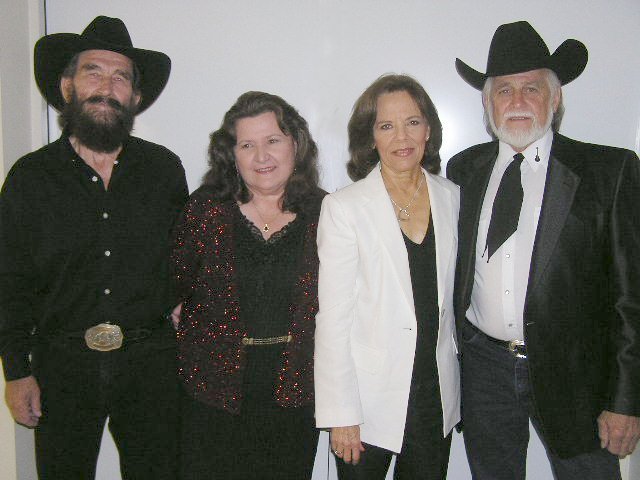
column 263, row 443
column 426, row 462
column 497, row 407
column 135, row 386
column 425, row 452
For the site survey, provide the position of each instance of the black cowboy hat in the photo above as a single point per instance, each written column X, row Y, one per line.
column 52, row 54
column 517, row 48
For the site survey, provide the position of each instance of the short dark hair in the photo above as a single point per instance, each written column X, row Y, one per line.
column 363, row 156
column 72, row 67
column 223, row 177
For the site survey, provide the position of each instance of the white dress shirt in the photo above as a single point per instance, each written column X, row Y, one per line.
column 500, row 285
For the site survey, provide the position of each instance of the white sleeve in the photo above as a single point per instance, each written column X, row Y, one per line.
column 336, row 385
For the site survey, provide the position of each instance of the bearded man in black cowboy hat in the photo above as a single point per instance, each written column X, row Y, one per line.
column 84, row 254
column 547, row 289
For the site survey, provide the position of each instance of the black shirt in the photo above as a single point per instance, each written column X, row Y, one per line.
column 73, row 255
column 424, row 395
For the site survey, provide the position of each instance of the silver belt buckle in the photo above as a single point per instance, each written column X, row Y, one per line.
column 104, row 337
column 513, row 348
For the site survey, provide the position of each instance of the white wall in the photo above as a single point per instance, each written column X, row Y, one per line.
column 21, row 127
column 321, row 54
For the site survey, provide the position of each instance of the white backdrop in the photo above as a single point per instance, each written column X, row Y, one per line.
column 321, row 54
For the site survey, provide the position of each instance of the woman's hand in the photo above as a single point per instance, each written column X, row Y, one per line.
column 346, row 444
column 175, row 316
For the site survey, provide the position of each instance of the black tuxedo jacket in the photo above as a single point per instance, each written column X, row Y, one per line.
column 582, row 307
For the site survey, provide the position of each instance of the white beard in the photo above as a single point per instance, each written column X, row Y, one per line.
column 522, row 138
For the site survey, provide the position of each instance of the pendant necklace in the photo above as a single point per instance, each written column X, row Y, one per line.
column 403, row 212
column 266, row 226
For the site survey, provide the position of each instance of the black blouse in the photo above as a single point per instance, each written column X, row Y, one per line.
column 267, row 272
column 424, row 281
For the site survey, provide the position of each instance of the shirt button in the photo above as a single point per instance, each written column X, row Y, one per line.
column 105, row 215
column 94, row 179
column 107, row 291
column 511, row 324
column 506, row 292
column 107, row 253
column 508, row 255
column 115, row 162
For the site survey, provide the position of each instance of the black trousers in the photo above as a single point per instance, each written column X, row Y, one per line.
column 425, row 452
column 261, row 443
column 497, row 407
column 415, row 462
column 136, row 387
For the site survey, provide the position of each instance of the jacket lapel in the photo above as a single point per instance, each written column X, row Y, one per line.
column 443, row 216
column 562, row 183
column 382, row 215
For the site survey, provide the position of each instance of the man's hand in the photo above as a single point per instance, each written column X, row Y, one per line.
column 618, row 433
column 23, row 399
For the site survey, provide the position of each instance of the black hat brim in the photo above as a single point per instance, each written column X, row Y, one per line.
column 568, row 62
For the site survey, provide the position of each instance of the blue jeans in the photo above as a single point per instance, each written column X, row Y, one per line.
column 497, row 406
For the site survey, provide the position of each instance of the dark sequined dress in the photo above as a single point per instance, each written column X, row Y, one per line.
column 263, row 440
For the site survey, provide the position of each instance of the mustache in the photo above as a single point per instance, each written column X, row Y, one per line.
column 510, row 115
column 112, row 102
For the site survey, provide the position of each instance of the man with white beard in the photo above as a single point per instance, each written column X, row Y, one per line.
column 547, row 289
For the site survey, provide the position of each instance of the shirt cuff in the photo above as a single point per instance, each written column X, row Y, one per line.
column 16, row 366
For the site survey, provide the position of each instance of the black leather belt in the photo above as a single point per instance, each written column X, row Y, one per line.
column 515, row 347
column 102, row 337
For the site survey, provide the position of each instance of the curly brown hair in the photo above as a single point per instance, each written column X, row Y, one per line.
column 222, row 176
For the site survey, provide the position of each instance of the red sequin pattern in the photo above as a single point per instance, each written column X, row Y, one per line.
column 211, row 356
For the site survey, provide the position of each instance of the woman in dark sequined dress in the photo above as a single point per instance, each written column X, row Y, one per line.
column 246, row 267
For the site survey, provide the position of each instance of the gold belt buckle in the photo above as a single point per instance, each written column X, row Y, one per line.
column 104, row 337
column 514, row 348
column 266, row 341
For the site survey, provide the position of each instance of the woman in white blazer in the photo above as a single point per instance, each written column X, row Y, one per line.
column 386, row 368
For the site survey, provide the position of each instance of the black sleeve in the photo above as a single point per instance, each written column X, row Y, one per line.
column 18, row 282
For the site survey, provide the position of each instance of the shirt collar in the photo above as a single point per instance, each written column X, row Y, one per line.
column 69, row 152
column 536, row 155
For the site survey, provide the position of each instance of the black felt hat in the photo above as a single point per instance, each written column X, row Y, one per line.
column 52, row 54
column 517, row 48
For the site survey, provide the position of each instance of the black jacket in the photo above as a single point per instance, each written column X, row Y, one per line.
column 582, row 307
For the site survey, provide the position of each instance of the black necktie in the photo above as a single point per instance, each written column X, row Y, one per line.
column 506, row 206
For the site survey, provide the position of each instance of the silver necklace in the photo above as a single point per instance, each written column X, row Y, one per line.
column 403, row 212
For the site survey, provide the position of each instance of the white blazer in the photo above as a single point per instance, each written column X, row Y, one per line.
column 365, row 336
